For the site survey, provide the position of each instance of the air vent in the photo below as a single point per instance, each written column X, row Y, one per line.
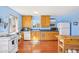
column 0, row 20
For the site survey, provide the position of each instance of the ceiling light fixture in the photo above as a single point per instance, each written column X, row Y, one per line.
column 36, row 12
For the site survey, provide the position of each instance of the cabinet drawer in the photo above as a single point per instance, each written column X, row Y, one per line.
column 71, row 41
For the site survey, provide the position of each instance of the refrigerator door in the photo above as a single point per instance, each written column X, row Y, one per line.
column 75, row 28
column 63, row 25
column 64, row 31
column 64, row 28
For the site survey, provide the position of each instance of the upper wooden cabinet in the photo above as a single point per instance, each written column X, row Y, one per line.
column 26, row 21
column 45, row 21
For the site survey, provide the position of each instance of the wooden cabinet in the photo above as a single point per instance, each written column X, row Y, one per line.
column 26, row 21
column 43, row 35
column 38, row 35
column 45, row 21
column 49, row 35
column 35, row 35
column 22, row 34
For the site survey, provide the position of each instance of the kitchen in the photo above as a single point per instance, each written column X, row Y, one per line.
column 38, row 35
column 39, row 29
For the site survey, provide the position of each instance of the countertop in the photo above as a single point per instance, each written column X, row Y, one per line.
column 68, row 37
column 41, row 29
column 7, row 35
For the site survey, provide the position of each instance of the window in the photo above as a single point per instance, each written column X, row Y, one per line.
column 35, row 21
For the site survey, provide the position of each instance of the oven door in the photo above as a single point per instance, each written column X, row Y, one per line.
column 11, row 44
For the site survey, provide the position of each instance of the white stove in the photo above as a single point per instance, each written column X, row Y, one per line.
column 9, row 44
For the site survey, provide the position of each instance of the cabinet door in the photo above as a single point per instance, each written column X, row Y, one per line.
column 51, row 35
column 45, row 21
column 48, row 36
column 22, row 34
column 43, row 35
column 26, row 21
column 35, row 35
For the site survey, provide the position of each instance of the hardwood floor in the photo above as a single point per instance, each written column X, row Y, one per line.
column 38, row 46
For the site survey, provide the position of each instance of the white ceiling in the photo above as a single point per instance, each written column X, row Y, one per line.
column 44, row 10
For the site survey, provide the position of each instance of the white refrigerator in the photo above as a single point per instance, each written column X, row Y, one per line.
column 64, row 28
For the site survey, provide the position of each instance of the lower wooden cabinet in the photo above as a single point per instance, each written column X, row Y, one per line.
column 38, row 35
column 35, row 35
column 49, row 35
column 22, row 35
column 43, row 36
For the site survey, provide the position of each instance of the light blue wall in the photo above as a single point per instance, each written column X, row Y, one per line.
column 71, row 17
column 6, row 11
column 75, row 29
